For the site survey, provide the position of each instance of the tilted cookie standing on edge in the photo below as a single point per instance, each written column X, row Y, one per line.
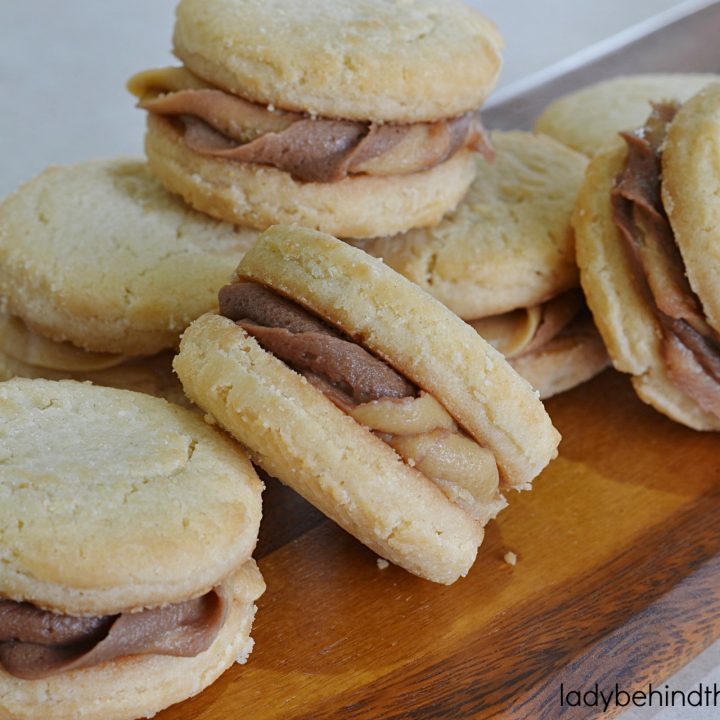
column 396, row 420
column 504, row 260
column 648, row 237
column 126, row 579
column 101, row 269
column 354, row 117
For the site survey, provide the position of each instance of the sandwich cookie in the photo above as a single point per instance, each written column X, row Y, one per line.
column 504, row 261
column 590, row 119
column 126, row 577
column 357, row 118
column 101, row 267
column 371, row 399
column 648, row 237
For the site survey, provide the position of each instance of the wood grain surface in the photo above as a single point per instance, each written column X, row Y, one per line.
column 617, row 581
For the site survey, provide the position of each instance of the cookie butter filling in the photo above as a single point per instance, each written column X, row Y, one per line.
column 18, row 342
column 36, row 643
column 690, row 347
column 528, row 330
column 218, row 124
column 410, row 420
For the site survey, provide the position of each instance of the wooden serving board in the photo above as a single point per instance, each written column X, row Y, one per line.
column 617, row 581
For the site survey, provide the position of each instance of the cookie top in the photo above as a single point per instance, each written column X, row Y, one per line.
column 691, row 194
column 623, row 315
column 416, row 335
column 100, row 254
column 509, row 244
column 382, row 60
column 113, row 500
column 591, row 118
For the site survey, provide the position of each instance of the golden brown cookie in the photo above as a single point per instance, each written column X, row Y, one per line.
column 355, row 59
column 317, row 444
column 116, row 505
column 691, row 194
column 656, row 325
column 504, row 252
column 355, row 118
column 101, row 255
column 260, row 196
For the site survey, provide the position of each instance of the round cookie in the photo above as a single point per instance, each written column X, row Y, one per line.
column 353, row 59
column 353, row 118
column 113, row 502
column 101, row 255
column 626, row 320
column 260, row 196
column 193, row 497
column 509, row 244
column 691, row 194
column 590, row 118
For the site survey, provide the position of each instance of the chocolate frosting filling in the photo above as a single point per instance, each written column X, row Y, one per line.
column 218, row 124
column 690, row 347
column 558, row 314
column 350, row 373
column 412, row 422
column 36, row 643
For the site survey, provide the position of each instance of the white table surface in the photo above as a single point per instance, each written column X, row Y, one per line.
column 64, row 64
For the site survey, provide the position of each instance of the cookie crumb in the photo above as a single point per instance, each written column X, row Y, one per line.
column 382, row 564
column 510, row 558
column 244, row 652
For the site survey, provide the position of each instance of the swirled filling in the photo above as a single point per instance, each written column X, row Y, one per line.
column 216, row 123
column 37, row 643
column 690, row 347
column 17, row 341
column 408, row 419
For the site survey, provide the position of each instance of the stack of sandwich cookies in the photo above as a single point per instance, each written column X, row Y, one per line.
column 397, row 420
column 126, row 579
column 648, row 221
column 504, row 260
column 590, row 118
column 100, row 271
column 354, row 118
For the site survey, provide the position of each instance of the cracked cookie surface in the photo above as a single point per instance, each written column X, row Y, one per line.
column 74, row 457
column 92, row 253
